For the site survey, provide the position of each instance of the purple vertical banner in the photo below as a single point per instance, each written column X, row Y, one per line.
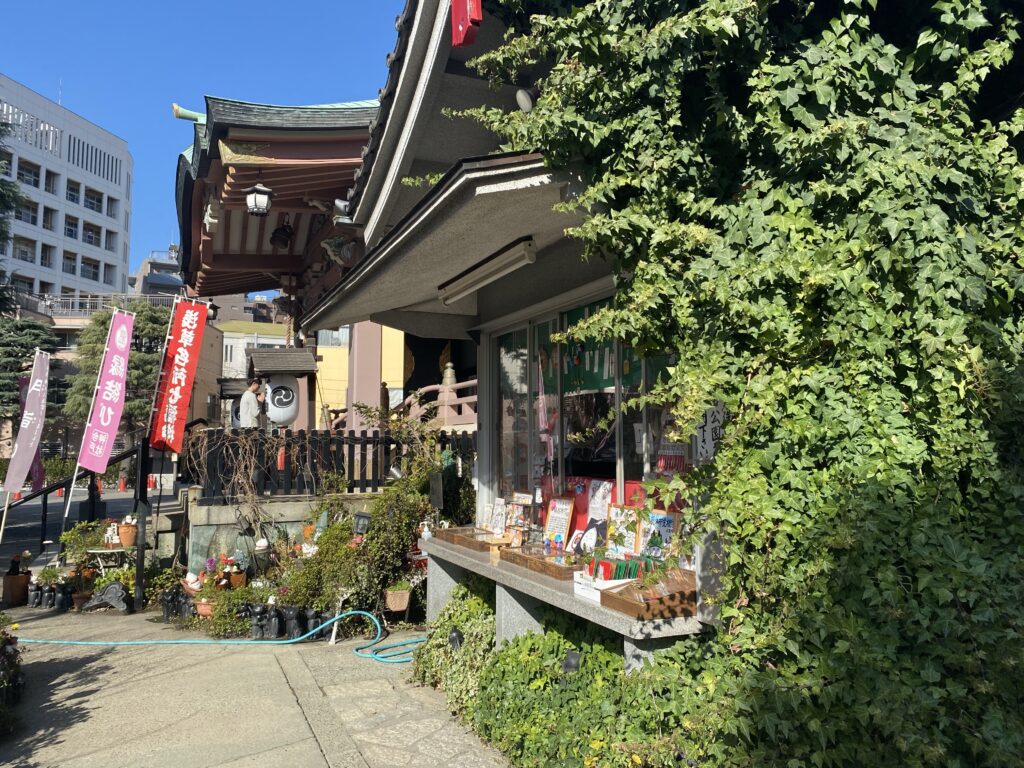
column 33, row 415
column 108, row 399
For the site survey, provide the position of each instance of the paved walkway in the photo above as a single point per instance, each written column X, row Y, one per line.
column 306, row 705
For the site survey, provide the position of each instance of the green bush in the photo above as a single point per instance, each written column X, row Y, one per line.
column 457, row 672
column 225, row 621
column 319, row 580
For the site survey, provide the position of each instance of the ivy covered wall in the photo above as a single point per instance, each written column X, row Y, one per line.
column 817, row 208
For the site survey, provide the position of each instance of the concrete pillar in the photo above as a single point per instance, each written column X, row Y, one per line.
column 442, row 577
column 635, row 653
column 515, row 614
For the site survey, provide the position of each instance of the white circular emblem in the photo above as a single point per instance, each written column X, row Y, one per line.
column 121, row 338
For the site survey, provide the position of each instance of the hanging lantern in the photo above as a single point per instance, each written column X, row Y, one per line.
column 257, row 199
column 282, row 399
column 282, row 236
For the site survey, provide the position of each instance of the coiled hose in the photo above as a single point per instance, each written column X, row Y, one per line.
column 395, row 653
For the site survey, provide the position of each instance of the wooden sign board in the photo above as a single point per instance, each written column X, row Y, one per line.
column 559, row 518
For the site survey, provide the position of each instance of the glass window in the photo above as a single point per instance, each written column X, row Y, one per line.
column 28, row 173
column 73, row 192
column 588, row 387
column 70, row 263
column 93, row 200
column 513, row 414
column 25, row 250
column 71, row 227
column 547, row 446
column 51, row 182
column 27, row 212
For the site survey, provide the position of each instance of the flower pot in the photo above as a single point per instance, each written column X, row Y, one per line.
column 397, row 599
column 204, row 609
column 80, row 599
column 237, row 579
column 128, row 534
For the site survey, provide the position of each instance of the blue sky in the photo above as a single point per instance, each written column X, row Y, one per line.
column 123, row 62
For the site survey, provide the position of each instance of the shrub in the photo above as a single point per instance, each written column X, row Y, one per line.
column 457, row 672
column 226, row 621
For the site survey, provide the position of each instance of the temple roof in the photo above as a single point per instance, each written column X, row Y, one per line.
column 306, row 154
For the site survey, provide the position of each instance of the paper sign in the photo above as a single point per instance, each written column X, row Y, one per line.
column 621, row 538
column 498, row 517
column 657, row 533
column 559, row 518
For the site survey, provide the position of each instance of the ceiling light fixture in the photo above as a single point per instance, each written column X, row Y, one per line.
column 512, row 257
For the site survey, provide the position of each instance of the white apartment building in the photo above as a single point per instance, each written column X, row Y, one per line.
column 70, row 238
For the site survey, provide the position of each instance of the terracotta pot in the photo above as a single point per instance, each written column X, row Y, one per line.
column 80, row 599
column 88, row 573
column 205, row 610
column 397, row 599
column 128, row 534
column 237, row 579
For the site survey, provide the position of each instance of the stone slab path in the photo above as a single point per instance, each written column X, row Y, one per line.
column 310, row 704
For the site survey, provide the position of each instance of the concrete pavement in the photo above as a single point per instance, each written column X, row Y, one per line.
column 310, row 704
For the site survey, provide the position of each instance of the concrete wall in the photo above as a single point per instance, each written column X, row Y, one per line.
column 215, row 529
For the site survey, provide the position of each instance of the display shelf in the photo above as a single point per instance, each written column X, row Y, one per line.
column 533, row 558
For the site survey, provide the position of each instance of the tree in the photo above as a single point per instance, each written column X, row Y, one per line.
column 816, row 208
column 10, row 196
column 18, row 342
column 149, row 331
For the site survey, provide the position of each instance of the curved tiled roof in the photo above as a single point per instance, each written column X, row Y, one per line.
column 222, row 114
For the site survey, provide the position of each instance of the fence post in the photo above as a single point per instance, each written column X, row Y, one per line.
column 350, row 470
column 362, row 461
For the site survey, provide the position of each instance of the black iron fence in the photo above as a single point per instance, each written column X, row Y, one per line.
column 231, row 465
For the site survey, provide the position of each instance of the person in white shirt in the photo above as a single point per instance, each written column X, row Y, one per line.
column 249, row 407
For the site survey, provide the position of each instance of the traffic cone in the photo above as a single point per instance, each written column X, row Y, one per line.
column 280, row 459
column 17, row 495
column 99, row 486
column 60, row 492
column 122, row 485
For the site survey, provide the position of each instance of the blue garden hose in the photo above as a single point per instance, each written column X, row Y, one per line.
column 385, row 653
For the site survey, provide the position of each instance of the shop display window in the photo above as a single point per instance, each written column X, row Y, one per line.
column 564, row 427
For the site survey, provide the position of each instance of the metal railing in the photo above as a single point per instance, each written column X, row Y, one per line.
column 83, row 306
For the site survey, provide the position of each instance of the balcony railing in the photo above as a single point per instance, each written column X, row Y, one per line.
column 83, row 306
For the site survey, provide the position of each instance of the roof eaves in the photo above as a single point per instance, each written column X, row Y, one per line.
column 385, row 97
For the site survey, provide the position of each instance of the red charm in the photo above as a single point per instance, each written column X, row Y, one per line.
column 467, row 16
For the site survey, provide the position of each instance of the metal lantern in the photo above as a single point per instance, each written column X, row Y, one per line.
column 257, row 199
column 282, row 236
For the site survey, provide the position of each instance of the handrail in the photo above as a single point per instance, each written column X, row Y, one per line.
column 116, row 458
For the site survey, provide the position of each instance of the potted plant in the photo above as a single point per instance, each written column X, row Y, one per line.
column 206, row 596
column 81, row 583
column 78, row 540
column 128, row 531
column 396, row 597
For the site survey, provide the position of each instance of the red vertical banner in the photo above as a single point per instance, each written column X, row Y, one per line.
column 177, row 374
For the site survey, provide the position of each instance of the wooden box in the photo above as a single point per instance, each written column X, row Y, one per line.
column 673, row 597
column 533, row 559
column 477, row 539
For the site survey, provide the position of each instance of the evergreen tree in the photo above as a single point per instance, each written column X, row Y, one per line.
column 18, row 342
column 148, row 334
